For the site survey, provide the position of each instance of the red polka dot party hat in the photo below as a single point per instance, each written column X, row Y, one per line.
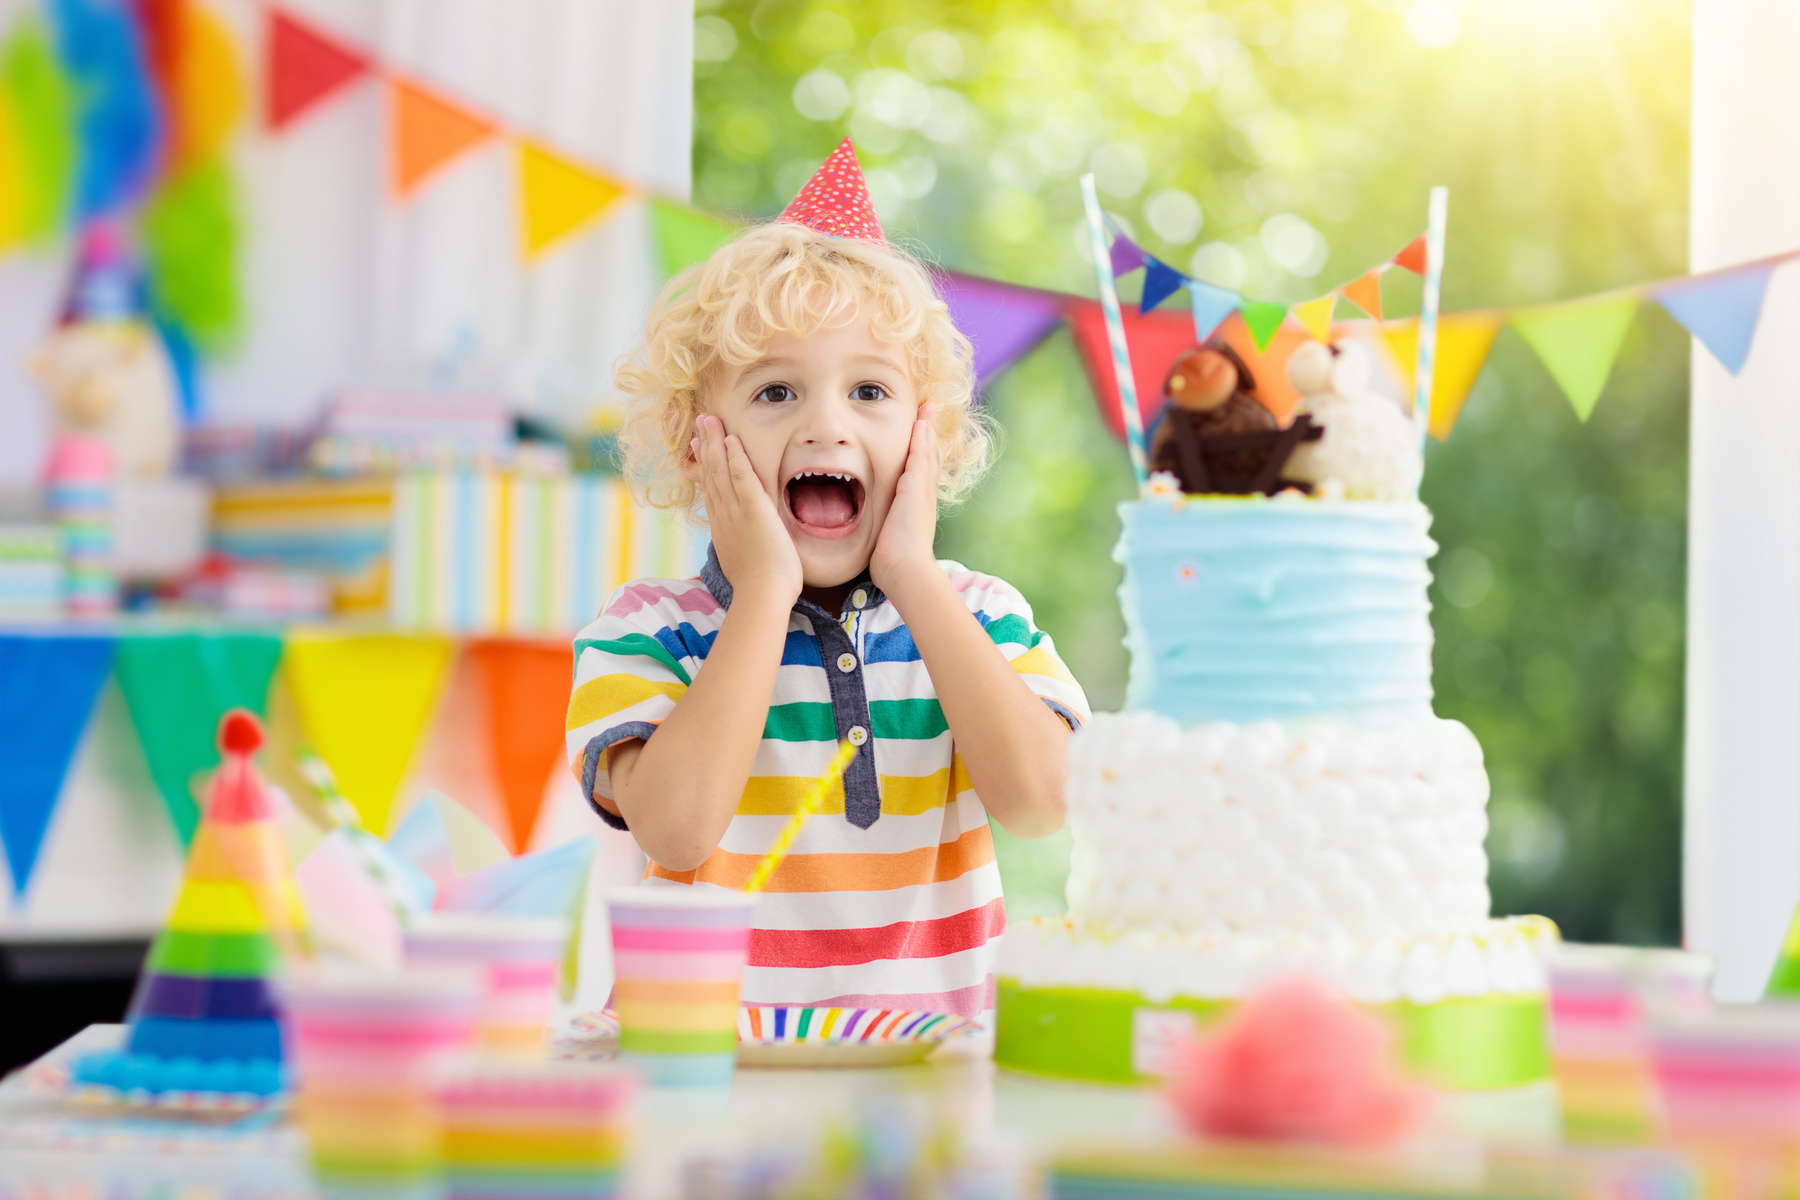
column 835, row 200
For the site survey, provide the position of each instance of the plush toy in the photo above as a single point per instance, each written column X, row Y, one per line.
column 110, row 380
column 1214, row 383
column 1370, row 448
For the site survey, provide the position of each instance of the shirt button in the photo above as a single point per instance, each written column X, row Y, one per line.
column 846, row 663
column 858, row 735
column 859, row 598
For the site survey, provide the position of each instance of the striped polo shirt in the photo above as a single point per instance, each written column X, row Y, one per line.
column 890, row 896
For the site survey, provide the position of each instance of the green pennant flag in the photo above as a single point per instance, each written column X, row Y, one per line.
column 177, row 686
column 685, row 236
column 1263, row 319
column 1578, row 343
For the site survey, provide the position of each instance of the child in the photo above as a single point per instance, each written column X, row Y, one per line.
column 807, row 386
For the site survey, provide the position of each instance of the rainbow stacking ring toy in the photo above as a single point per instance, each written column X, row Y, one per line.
column 679, row 955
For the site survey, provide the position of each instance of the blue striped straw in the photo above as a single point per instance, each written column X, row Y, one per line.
column 1436, row 215
column 1115, row 334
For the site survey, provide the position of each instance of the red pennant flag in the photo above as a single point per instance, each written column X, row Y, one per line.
column 1413, row 257
column 428, row 132
column 527, row 686
column 304, row 67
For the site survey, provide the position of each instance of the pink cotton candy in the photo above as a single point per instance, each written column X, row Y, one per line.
column 1296, row 1063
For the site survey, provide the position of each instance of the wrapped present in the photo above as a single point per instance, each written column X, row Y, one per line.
column 332, row 527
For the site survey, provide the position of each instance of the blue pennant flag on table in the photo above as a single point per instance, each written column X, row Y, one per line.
column 1160, row 282
column 47, row 690
column 1722, row 310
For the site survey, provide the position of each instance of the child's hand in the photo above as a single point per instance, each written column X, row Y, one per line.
column 755, row 551
column 904, row 545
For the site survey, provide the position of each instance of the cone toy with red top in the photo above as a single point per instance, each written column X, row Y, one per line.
column 203, row 1018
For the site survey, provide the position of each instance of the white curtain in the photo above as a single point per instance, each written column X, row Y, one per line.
column 345, row 285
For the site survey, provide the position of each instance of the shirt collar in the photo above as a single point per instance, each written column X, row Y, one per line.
column 713, row 576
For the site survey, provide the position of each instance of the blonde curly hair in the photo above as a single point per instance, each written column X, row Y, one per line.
column 721, row 313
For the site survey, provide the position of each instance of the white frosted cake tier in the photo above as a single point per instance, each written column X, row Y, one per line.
column 1495, row 957
column 1314, row 829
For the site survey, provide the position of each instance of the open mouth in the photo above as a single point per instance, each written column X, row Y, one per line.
column 825, row 504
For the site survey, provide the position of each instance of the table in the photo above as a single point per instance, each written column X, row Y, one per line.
column 1010, row 1122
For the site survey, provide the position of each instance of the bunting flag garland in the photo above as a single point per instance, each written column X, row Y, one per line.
column 1263, row 319
column 1211, row 306
column 1003, row 322
column 559, row 196
column 1125, row 255
column 1160, row 282
column 217, row 672
column 305, row 67
column 685, row 236
column 348, row 688
column 428, row 132
column 1315, row 315
column 1464, row 340
column 52, row 682
column 1365, row 292
column 527, row 686
column 1721, row 309
column 1412, row 258
column 1578, row 342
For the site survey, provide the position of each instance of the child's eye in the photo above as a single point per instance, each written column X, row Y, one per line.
column 869, row 391
column 776, row 393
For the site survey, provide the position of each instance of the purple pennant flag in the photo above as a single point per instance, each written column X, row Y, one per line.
column 1003, row 322
column 1127, row 255
column 47, row 689
column 1722, row 309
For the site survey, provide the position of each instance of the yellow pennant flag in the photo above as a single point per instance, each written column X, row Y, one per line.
column 1463, row 342
column 364, row 701
column 1316, row 315
column 558, row 197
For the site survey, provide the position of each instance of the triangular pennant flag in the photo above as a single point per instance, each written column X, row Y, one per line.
column 1155, row 339
column 1001, row 321
column 1721, row 310
column 304, row 67
column 428, row 132
column 835, row 201
column 527, row 686
column 364, row 700
column 685, row 236
column 1160, row 282
column 1212, row 305
column 1784, row 978
column 176, row 726
column 1365, row 292
column 1126, row 256
column 1463, row 342
column 1315, row 315
column 47, row 690
column 558, row 197
column 1263, row 319
column 1578, row 343
column 1413, row 257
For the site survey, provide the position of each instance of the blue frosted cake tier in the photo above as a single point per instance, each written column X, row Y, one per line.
column 1256, row 609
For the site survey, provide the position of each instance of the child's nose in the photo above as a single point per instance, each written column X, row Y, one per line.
column 827, row 423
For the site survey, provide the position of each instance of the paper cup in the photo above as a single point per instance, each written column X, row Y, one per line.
column 678, row 958
column 545, row 1130
column 518, row 958
column 364, row 1048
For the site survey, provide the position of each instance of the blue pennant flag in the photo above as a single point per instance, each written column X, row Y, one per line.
column 1160, row 282
column 1211, row 306
column 1721, row 310
column 47, row 690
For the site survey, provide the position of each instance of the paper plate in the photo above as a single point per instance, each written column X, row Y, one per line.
column 842, row 1037
column 588, row 1037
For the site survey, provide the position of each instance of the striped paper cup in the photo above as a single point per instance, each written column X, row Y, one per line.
column 364, row 1047
column 518, row 958
column 1732, row 1074
column 546, row 1130
column 678, row 958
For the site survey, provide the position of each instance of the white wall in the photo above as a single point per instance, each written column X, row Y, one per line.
column 1742, row 797
column 342, row 284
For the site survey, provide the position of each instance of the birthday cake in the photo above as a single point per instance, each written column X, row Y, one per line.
column 1278, row 796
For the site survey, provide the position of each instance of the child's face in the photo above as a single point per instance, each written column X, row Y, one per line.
column 826, row 421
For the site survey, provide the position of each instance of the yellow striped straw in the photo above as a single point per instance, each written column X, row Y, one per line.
column 809, row 804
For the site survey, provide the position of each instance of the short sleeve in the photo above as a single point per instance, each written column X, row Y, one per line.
column 1006, row 617
column 627, row 680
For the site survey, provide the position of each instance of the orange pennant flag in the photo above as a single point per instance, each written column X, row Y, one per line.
column 1315, row 315
column 558, row 197
column 527, row 686
column 428, row 131
column 1413, row 257
column 1463, row 342
column 1365, row 292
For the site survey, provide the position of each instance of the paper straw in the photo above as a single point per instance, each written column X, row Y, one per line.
column 809, row 804
column 1436, row 215
column 1115, row 334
